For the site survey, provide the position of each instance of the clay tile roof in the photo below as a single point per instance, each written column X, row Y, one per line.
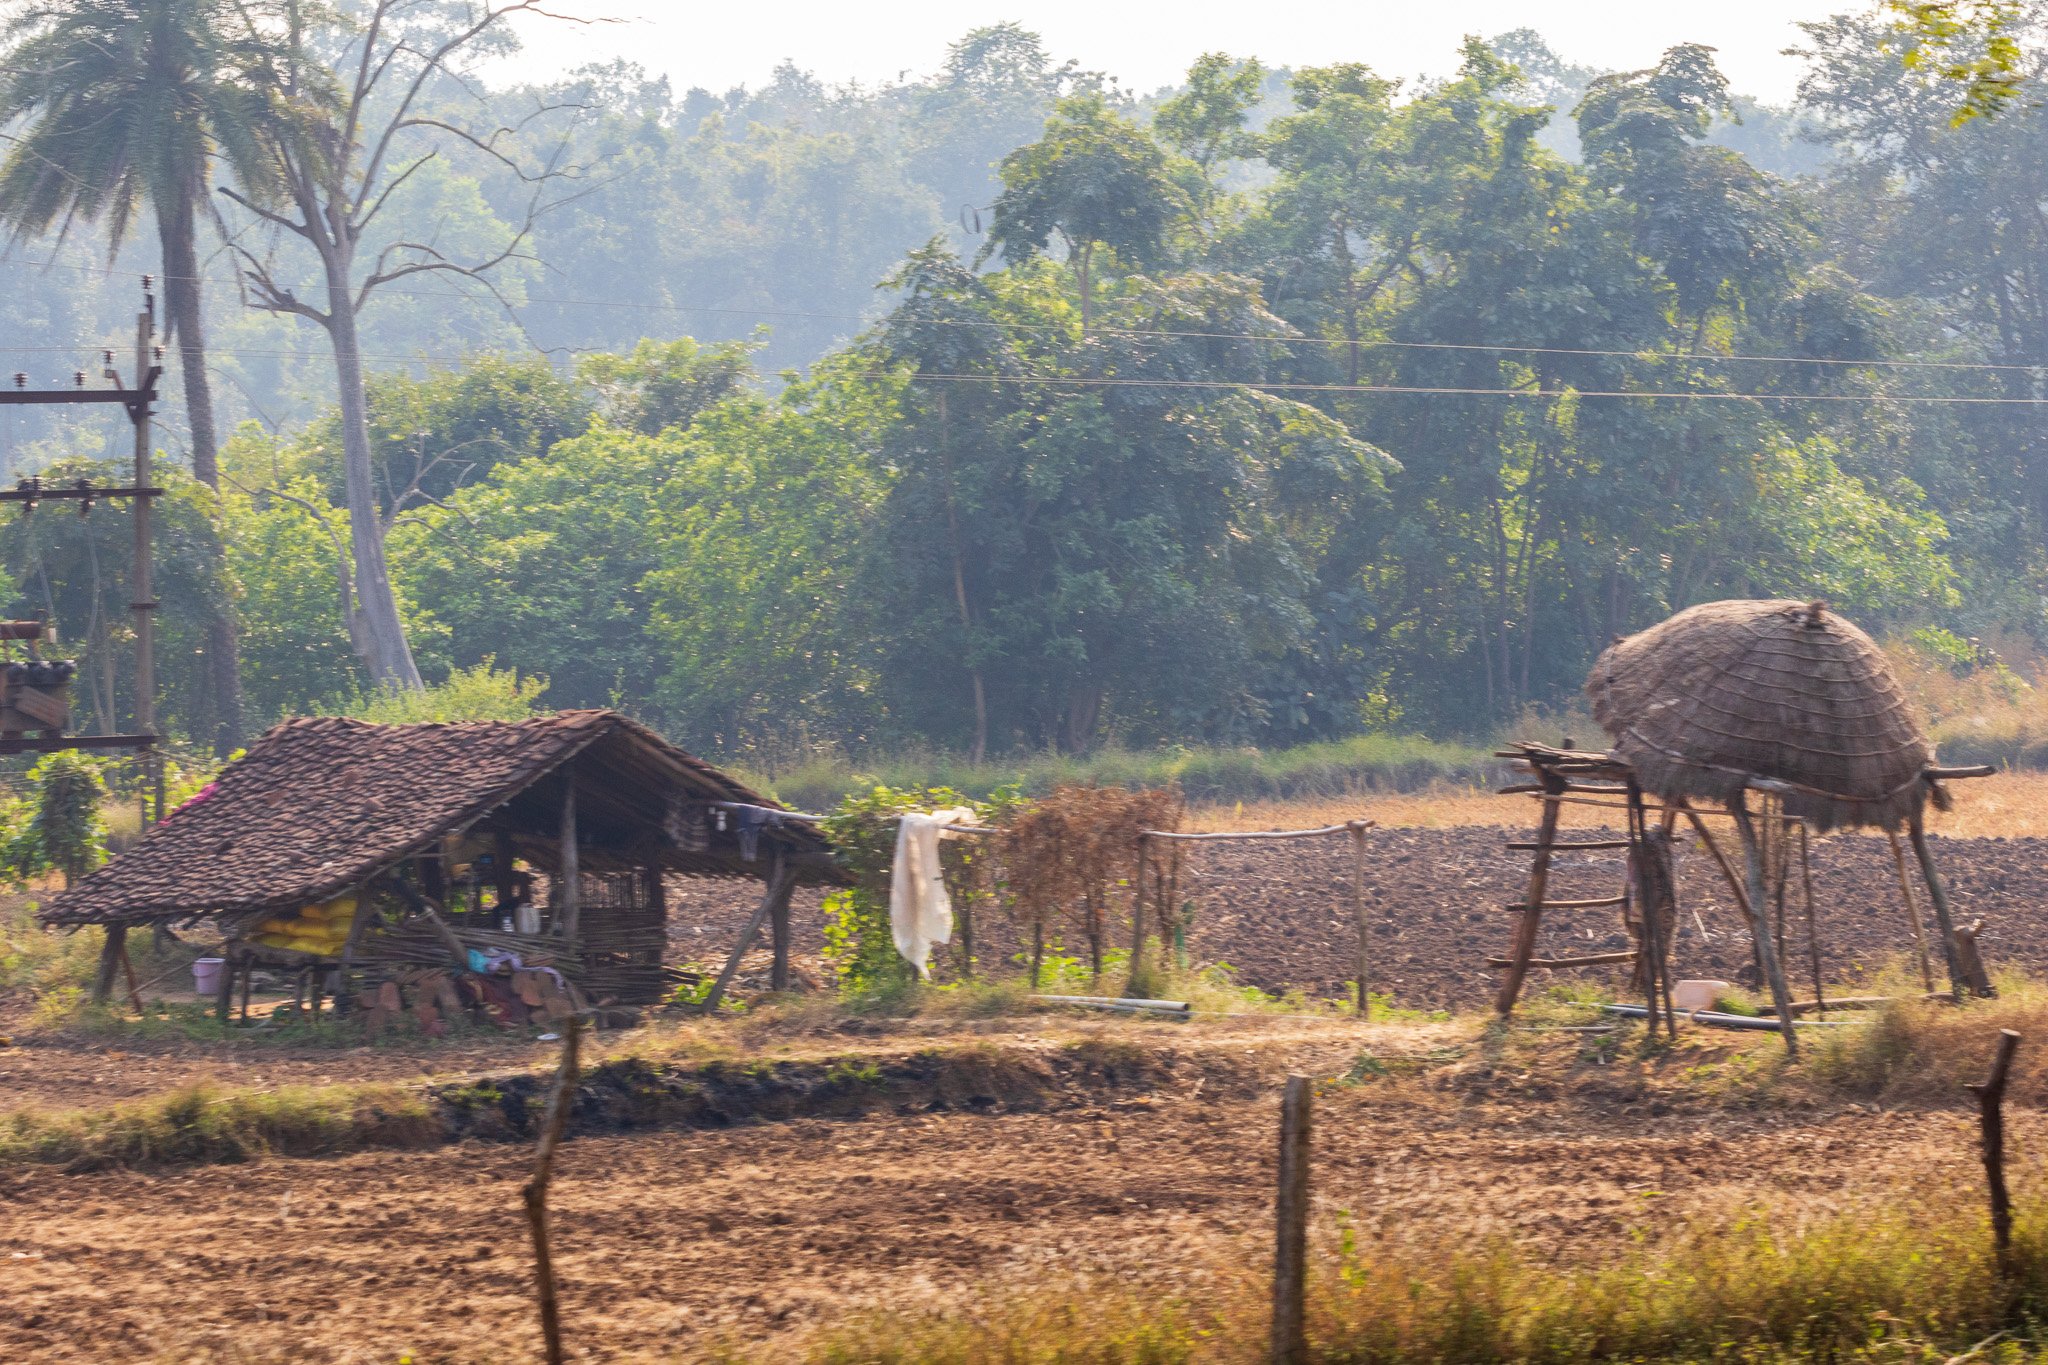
column 318, row 805
column 1784, row 691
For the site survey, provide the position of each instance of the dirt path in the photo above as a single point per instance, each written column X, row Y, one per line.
column 671, row 1242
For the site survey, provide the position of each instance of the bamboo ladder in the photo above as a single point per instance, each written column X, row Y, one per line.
column 1565, row 777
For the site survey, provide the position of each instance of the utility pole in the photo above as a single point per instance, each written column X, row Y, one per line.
column 138, row 401
column 144, row 598
column 36, row 705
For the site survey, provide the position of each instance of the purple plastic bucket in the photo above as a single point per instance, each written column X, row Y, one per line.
column 206, row 975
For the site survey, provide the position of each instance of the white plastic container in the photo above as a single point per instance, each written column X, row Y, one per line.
column 1687, row 996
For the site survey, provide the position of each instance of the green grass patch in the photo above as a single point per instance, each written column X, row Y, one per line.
column 200, row 1125
column 1330, row 768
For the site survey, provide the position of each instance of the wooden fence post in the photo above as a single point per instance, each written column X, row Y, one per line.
column 1136, row 984
column 1290, row 1234
column 536, row 1190
column 1991, row 1125
column 1358, row 828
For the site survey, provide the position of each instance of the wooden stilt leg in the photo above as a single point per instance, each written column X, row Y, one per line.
column 1759, row 921
column 1735, row 885
column 1531, row 918
column 1646, row 943
column 1912, row 911
column 1937, row 894
column 1656, row 908
column 1780, row 845
column 248, row 984
column 1820, row 1003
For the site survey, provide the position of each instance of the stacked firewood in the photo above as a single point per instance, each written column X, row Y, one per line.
column 431, row 996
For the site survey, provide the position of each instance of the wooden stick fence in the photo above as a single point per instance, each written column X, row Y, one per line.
column 535, row 1192
column 1991, row 1126
column 1354, row 828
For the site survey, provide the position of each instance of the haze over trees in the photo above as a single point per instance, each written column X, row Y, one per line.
column 1006, row 409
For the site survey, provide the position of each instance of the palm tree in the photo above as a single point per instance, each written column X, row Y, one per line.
column 118, row 104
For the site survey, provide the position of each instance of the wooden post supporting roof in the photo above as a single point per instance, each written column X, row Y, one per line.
column 569, row 861
column 501, row 868
column 778, row 933
column 1759, row 920
column 110, row 962
column 781, row 881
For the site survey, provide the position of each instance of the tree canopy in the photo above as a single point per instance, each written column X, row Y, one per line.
column 1000, row 410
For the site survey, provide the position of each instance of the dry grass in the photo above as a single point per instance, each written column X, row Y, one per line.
column 2010, row 805
column 1863, row 1284
column 1920, row 1052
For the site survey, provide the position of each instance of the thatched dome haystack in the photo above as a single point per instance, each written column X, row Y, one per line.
column 1787, row 692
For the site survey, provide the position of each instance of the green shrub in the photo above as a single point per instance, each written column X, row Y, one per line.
column 485, row 692
column 68, row 830
column 858, row 941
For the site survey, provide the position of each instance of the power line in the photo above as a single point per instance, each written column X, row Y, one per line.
column 1277, row 338
column 1290, row 387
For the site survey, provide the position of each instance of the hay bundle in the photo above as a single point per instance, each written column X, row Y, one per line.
column 1071, row 860
column 1726, row 693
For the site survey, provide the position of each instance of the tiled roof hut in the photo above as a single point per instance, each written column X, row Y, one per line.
column 426, row 825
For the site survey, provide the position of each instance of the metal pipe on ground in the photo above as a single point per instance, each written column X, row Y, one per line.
column 1759, row 1023
column 1179, row 1008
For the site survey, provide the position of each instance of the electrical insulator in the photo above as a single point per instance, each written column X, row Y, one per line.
column 78, row 378
column 20, row 380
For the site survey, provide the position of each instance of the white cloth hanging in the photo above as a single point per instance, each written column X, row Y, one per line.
column 920, row 912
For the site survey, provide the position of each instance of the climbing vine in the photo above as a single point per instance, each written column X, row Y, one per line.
column 68, row 794
column 858, row 942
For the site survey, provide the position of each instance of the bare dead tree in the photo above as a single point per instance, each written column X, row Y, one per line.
column 354, row 126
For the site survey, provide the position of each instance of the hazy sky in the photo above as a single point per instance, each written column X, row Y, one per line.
column 1147, row 45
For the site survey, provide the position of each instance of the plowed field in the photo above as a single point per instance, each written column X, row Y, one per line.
column 1280, row 913
column 670, row 1244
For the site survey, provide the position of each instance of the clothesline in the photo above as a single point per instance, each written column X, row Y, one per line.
column 1147, row 833
column 1263, row 833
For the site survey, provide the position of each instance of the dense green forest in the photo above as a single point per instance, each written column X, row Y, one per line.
column 1005, row 409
